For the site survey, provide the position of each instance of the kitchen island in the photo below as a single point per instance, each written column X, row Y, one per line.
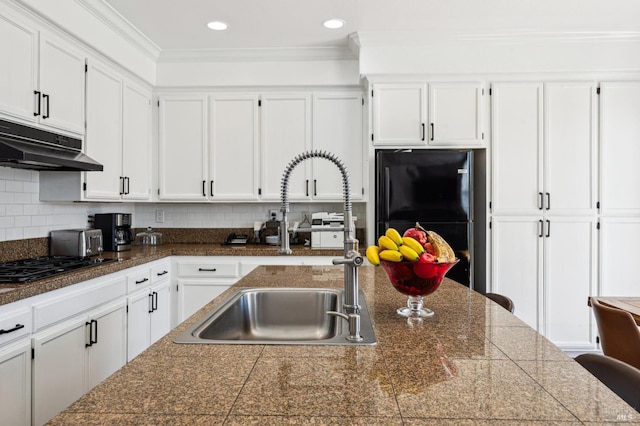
column 472, row 363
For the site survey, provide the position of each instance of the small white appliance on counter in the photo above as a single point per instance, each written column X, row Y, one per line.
column 327, row 239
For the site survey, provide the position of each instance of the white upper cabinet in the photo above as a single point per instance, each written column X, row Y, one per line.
column 103, row 140
column 544, row 148
column 337, row 128
column 438, row 114
column 43, row 76
column 19, row 46
column 455, row 117
column 399, row 114
column 233, row 147
column 182, row 150
column 62, row 71
column 286, row 132
column 136, row 143
column 620, row 147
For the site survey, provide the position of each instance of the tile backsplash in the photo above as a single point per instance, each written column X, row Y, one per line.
column 23, row 215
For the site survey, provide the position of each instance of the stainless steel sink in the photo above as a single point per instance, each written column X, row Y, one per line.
column 282, row 316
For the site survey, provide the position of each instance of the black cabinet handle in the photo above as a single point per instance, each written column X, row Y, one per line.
column 17, row 327
column 540, row 228
column 150, row 303
column 433, row 131
column 548, row 200
column 126, row 179
column 540, row 201
column 307, row 187
column 46, row 97
column 154, row 301
column 162, row 273
column 142, row 281
column 315, row 187
column 548, row 229
column 204, row 184
column 207, row 269
column 38, row 103
column 93, row 333
column 423, row 135
column 121, row 185
column 211, row 188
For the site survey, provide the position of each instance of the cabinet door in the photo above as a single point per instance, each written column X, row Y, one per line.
column 516, row 264
column 183, row 148
column 618, row 258
column 286, row 133
column 161, row 315
column 234, row 149
column 337, row 128
column 138, row 323
column 103, row 141
column 15, row 386
column 570, row 259
column 109, row 353
column 619, row 147
column 193, row 295
column 18, row 44
column 62, row 83
column 59, row 369
column 570, row 148
column 455, row 117
column 136, row 142
column 399, row 114
column 517, row 148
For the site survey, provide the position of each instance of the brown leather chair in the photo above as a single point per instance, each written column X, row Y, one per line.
column 619, row 334
column 501, row 300
column 620, row 377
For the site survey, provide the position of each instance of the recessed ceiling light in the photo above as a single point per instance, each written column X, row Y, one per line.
column 333, row 24
column 217, row 25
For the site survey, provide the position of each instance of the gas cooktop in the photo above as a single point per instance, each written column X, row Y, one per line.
column 36, row 268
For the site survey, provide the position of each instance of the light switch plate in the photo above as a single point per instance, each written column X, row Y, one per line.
column 159, row 216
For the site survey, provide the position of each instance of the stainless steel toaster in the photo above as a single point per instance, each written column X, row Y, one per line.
column 76, row 242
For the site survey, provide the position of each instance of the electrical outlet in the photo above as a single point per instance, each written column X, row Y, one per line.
column 159, row 216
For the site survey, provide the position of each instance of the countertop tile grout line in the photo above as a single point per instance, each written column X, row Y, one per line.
column 233, row 404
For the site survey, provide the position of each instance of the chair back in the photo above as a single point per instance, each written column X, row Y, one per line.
column 619, row 334
column 501, row 300
column 620, row 377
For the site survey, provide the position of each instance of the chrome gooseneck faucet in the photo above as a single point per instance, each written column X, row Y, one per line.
column 352, row 258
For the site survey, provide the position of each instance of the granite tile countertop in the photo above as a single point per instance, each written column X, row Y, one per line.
column 139, row 255
column 473, row 363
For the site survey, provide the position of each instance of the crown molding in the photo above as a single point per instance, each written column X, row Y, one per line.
column 121, row 26
column 332, row 53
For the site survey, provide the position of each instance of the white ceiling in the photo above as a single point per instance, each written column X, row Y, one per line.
column 257, row 24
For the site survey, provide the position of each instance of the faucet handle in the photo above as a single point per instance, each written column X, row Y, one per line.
column 354, row 325
column 352, row 258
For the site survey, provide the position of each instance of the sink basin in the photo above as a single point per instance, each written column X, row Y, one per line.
column 283, row 316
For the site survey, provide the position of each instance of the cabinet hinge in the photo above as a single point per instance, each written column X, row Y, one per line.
column 598, row 91
column 84, row 186
column 259, row 102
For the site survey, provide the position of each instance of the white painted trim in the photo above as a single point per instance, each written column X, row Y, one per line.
column 256, row 55
column 121, row 26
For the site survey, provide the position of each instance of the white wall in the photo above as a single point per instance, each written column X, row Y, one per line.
column 22, row 215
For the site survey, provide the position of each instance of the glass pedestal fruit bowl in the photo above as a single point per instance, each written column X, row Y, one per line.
column 416, row 280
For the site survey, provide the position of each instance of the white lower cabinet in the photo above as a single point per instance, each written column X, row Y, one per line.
column 74, row 356
column 149, row 310
column 547, row 266
column 15, row 386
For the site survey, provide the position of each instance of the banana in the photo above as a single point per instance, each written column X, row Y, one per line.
column 414, row 244
column 387, row 243
column 394, row 235
column 444, row 252
column 391, row 255
column 408, row 253
column 373, row 255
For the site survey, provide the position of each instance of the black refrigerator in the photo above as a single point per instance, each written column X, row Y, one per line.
column 434, row 188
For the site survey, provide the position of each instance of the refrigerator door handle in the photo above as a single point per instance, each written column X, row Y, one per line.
column 387, row 185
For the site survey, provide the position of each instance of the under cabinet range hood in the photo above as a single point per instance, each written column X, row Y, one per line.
column 26, row 147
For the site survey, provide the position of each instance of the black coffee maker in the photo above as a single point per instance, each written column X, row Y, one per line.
column 116, row 230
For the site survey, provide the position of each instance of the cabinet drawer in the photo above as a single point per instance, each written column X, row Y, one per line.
column 15, row 324
column 141, row 278
column 160, row 272
column 208, row 269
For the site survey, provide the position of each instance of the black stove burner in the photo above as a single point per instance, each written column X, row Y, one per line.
column 36, row 268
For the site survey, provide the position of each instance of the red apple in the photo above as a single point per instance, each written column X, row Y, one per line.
column 423, row 268
column 426, row 257
column 417, row 234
